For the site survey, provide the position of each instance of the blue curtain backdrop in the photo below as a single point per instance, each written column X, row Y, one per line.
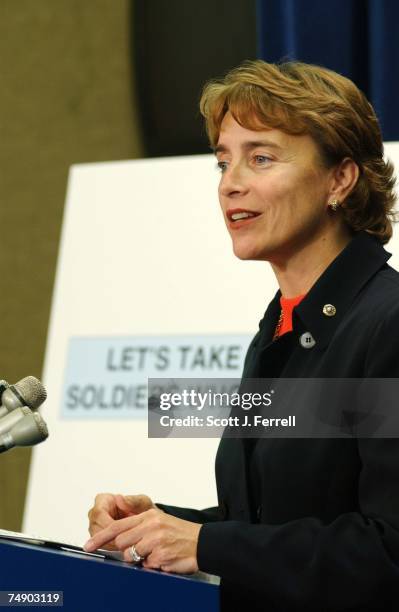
column 358, row 38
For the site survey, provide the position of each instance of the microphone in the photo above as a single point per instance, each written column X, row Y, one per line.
column 8, row 421
column 26, row 392
column 28, row 431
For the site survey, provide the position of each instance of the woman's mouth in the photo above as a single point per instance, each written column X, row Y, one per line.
column 239, row 217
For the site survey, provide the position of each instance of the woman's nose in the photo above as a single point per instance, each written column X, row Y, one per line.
column 233, row 181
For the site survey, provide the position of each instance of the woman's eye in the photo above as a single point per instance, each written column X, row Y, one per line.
column 261, row 160
column 221, row 166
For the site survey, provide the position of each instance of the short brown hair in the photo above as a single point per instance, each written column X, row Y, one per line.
column 300, row 98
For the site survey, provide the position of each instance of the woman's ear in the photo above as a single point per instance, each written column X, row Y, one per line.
column 344, row 178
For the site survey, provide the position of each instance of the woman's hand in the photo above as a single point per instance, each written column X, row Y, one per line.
column 109, row 508
column 166, row 542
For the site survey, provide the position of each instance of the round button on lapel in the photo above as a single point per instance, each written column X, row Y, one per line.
column 307, row 340
column 329, row 310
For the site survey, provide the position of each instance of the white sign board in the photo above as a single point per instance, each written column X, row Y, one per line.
column 145, row 262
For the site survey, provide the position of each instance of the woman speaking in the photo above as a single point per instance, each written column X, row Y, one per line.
column 302, row 524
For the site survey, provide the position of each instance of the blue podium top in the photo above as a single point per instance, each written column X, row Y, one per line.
column 101, row 585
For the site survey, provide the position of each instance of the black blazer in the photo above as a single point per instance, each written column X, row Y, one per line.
column 313, row 524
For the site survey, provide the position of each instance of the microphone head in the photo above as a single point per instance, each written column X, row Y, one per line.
column 30, row 430
column 8, row 421
column 32, row 391
column 3, row 385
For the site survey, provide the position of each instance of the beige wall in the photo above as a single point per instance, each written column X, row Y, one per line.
column 66, row 97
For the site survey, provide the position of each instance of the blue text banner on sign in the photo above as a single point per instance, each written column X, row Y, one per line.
column 106, row 377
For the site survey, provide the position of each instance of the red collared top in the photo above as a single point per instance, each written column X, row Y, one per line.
column 287, row 306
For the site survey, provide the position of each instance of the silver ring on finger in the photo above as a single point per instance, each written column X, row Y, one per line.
column 134, row 555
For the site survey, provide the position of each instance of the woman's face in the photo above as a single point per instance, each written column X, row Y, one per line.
column 273, row 191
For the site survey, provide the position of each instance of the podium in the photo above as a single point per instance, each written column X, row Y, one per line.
column 100, row 585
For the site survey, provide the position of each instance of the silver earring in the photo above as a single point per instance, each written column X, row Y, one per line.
column 333, row 205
